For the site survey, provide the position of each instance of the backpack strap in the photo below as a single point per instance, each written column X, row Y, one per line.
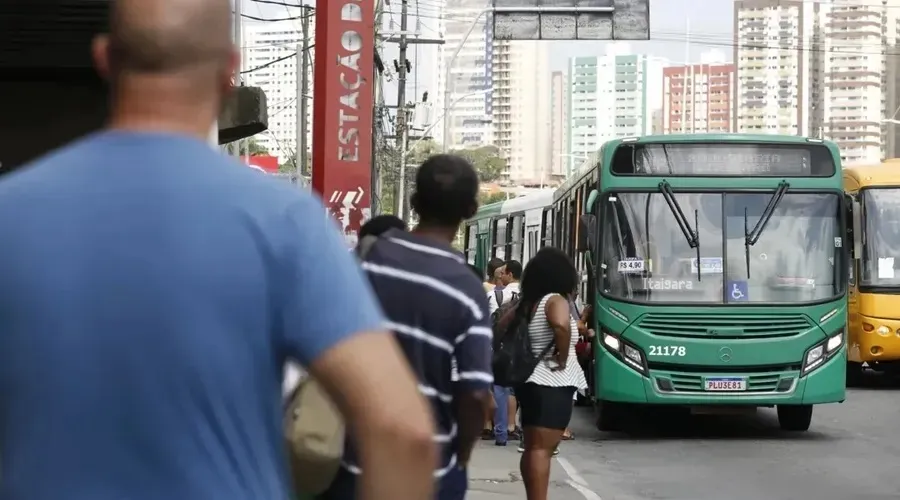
column 365, row 246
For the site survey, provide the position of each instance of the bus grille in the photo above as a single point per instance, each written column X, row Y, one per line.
column 683, row 382
column 724, row 326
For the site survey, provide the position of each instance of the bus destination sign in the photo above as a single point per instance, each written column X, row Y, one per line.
column 698, row 159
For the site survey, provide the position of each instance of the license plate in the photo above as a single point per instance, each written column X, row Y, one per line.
column 726, row 384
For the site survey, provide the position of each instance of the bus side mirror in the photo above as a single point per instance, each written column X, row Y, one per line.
column 856, row 229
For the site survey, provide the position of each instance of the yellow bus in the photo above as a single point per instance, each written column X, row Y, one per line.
column 873, row 320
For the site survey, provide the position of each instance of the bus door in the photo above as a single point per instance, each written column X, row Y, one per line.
column 482, row 251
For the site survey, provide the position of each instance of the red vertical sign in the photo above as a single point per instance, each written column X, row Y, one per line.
column 342, row 109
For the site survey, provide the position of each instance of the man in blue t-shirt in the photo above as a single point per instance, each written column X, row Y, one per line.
column 152, row 289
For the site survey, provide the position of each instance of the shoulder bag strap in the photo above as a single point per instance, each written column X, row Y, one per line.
column 365, row 246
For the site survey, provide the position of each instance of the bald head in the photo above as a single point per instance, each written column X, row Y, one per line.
column 170, row 63
column 168, row 36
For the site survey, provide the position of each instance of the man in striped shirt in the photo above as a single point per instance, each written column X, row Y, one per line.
column 438, row 311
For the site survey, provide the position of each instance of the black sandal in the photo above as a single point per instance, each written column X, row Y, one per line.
column 487, row 434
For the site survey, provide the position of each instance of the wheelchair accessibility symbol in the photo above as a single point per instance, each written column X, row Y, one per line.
column 737, row 291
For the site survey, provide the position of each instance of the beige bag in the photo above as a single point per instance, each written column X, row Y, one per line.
column 314, row 428
column 314, row 431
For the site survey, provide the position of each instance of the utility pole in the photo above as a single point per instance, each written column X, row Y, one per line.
column 377, row 101
column 402, row 126
column 301, row 158
column 239, row 43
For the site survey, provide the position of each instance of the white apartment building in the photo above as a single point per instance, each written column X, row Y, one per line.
column 263, row 44
column 521, row 109
column 471, row 74
column 559, row 124
column 777, row 58
column 499, row 92
column 859, row 89
column 609, row 97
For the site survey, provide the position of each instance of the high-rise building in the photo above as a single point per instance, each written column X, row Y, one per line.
column 498, row 91
column 559, row 125
column 821, row 69
column 777, row 57
column 272, row 47
column 471, row 74
column 698, row 98
column 609, row 97
column 860, row 78
column 521, row 109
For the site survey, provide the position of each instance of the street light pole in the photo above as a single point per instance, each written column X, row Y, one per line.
column 439, row 118
column 447, row 74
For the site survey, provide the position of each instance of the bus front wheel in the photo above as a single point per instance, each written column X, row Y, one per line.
column 609, row 415
column 795, row 417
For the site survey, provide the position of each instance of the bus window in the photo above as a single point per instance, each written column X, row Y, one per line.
column 547, row 227
column 516, row 237
column 500, row 239
column 471, row 242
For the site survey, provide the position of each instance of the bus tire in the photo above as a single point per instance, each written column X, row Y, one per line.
column 854, row 374
column 609, row 415
column 795, row 418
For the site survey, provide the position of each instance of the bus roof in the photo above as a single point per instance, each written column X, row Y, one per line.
column 667, row 138
column 885, row 174
column 537, row 199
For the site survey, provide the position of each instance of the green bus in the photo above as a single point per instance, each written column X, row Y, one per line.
column 717, row 265
column 513, row 229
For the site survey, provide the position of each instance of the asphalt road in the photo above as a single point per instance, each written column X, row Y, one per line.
column 851, row 452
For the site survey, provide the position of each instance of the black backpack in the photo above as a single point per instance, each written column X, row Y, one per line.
column 503, row 308
column 514, row 360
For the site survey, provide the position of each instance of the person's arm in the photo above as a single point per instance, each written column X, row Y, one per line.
column 559, row 317
column 473, row 389
column 332, row 324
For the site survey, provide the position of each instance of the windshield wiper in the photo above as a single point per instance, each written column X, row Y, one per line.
column 752, row 237
column 690, row 234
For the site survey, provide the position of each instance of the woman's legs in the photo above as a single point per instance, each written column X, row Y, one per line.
column 535, row 463
column 545, row 414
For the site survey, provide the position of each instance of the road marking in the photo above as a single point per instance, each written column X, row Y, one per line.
column 577, row 481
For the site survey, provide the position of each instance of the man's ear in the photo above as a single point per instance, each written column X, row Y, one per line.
column 100, row 55
column 226, row 77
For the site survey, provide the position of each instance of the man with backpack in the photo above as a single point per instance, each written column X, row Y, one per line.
column 501, row 302
column 438, row 312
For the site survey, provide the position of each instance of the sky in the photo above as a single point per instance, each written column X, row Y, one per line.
column 680, row 31
column 710, row 26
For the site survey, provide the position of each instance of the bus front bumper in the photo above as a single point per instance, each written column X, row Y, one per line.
column 620, row 383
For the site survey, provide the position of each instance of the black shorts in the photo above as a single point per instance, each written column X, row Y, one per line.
column 543, row 406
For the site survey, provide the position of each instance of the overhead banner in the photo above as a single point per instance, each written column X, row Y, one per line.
column 571, row 19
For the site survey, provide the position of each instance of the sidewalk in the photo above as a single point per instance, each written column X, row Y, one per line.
column 494, row 475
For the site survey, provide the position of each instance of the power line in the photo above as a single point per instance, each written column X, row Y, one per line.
column 278, row 20
column 273, row 62
column 283, row 4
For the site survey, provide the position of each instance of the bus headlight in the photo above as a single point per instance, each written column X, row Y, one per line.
column 629, row 354
column 821, row 352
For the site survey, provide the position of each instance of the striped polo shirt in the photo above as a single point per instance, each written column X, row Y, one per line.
column 438, row 310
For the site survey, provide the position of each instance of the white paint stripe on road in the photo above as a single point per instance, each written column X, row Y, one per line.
column 577, row 481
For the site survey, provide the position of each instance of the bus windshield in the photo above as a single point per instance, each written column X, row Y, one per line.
column 797, row 258
column 881, row 238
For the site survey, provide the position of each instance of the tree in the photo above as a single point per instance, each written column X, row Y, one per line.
column 488, row 198
column 255, row 148
column 487, row 161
